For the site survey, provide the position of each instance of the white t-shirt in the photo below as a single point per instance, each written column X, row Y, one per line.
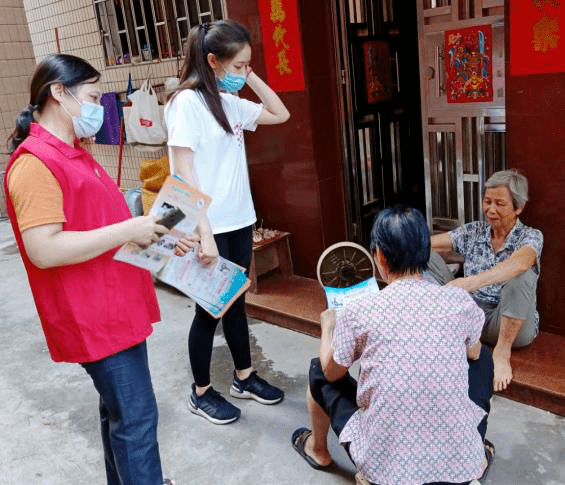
column 220, row 164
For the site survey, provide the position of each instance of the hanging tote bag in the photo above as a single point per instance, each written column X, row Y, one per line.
column 109, row 134
column 144, row 123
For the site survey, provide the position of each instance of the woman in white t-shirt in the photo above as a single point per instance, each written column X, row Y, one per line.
column 206, row 148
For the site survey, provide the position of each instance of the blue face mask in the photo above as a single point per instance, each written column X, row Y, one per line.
column 90, row 120
column 232, row 83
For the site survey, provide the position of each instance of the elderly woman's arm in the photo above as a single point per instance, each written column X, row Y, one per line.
column 441, row 243
column 522, row 260
column 332, row 370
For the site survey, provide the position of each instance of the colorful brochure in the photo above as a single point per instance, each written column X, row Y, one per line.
column 214, row 287
column 340, row 297
column 180, row 207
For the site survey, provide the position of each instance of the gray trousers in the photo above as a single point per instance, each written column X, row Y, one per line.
column 517, row 300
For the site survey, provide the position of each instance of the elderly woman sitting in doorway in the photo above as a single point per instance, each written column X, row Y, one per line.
column 501, row 268
column 418, row 413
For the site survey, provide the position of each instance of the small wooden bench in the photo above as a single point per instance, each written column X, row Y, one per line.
column 269, row 255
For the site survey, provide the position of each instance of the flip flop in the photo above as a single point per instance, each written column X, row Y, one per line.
column 299, row 438
column 489, row 453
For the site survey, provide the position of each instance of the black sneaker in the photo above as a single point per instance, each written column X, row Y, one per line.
column 212, row 406
column 255, row 388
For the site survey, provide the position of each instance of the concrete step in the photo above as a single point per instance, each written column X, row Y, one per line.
column 292, row 302
column 296, row 303
column 539, row 374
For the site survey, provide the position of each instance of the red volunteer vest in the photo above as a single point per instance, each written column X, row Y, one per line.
column 94, row 309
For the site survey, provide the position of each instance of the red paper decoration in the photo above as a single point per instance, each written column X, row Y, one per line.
column 468, row 61
column 282, row 44
column 537, row 36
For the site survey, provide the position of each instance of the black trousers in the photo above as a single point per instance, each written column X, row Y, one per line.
column 237, row 247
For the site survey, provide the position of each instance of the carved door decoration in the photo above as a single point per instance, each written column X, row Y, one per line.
column 463, row 125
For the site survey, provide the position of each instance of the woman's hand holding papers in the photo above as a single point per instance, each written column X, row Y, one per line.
column 186, row 244
column 206, row 247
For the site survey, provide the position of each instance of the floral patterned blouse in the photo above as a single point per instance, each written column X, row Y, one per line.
column 473, row 241
column 415, row 423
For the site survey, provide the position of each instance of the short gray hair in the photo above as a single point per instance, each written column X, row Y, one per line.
column 516, row 183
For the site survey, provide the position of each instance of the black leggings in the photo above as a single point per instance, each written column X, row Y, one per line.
column 235, row 246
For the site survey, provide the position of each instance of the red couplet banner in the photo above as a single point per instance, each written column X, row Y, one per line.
column 282, row 44
column 537, row 36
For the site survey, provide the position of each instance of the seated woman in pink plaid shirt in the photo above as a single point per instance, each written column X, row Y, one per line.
column 418, row 413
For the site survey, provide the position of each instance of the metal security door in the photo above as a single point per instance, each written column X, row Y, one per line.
column 463, row 142
column 380, row 126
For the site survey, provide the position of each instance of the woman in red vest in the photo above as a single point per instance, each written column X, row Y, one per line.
column 69, row 218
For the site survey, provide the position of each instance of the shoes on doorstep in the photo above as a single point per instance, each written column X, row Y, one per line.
column 255, row 388
column 213, row 406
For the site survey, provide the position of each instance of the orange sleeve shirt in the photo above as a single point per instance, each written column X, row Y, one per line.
column 35, row 193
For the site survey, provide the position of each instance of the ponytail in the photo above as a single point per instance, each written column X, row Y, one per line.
column 66, row 69
column 224, row 39
column 23, row 122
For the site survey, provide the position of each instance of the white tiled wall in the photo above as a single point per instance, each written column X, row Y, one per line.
column 16, row 66
column 21, row 45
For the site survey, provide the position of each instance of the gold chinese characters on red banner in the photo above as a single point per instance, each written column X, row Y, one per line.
column 537, row 39
column 282, row 44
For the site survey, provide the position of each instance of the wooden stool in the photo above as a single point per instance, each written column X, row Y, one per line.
column 268, row 255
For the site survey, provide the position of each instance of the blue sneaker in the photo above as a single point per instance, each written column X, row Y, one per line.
column 255, row 388
column 213, row 406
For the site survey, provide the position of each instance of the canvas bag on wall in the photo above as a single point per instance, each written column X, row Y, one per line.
column 144, row 120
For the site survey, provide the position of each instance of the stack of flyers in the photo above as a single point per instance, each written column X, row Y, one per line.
column 213, row 287
column 178, row 207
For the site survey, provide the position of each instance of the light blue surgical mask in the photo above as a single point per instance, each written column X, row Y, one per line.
column 232, row 83
column 90, row 120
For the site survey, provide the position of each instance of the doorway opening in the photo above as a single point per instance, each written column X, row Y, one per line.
column 404, row 141
column 377, row 56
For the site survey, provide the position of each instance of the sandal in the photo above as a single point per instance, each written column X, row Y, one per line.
column 299, row 438
column 489, row 453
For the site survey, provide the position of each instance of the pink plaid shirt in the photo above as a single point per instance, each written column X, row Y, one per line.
column 415, row 423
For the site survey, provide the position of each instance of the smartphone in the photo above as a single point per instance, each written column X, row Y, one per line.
column 171, row 217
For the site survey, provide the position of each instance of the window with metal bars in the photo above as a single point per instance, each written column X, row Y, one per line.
column 134, row 31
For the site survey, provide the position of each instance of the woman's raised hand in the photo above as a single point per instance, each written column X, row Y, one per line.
column 144, row 230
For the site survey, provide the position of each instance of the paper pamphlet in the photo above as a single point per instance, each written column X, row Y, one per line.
column 214, row 288
column 339, row 297
column 181, row 207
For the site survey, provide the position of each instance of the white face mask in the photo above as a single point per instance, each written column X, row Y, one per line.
column 90, row 120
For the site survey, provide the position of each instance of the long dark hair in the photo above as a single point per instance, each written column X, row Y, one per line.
column 224, row 39
column 68, row 70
